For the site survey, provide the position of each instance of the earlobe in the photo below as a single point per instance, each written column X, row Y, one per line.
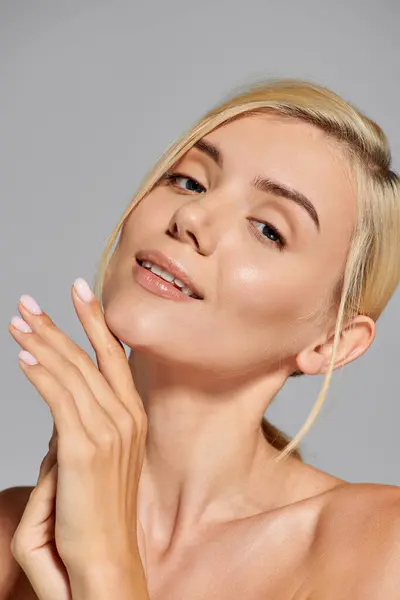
column 354, row 341
column 310, row 361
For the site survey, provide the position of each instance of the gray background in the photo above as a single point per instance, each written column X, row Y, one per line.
column 91, row 93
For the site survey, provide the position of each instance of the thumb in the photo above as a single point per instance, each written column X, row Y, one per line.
column 36, row 527
column 33, row 545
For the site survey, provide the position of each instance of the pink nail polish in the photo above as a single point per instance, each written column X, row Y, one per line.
column 83, row 290
column 21, row 325
column 27, row 358
column 30, row 304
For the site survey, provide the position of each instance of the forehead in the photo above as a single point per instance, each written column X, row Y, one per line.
column 295, row 153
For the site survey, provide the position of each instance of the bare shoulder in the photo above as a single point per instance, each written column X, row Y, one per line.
column 356, row 548
column 12, row 578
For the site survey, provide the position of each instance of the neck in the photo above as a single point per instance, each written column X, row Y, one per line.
column 206, row 461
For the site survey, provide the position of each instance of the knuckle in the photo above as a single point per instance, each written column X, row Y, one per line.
column 73, row 371
column 65, row 397
column 141, row 419
column 144, row 427
column 111, row 348
column 126, row 426
column 44, row 324
column 83, row 360
column 76, row 454
column 139, row 429
column 107, row 438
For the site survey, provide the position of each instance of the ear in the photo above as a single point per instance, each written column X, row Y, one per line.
column 354, row 340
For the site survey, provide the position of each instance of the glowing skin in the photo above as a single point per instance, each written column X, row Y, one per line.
column 208, row 369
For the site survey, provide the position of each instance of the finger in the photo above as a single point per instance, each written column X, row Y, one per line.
column 62, row 405
column 110, row 353
column 47, row 463
column 54, row 436
column 33, row 542
column 51, row 457
column 55, row 375
column 38, row 510
column 45, row 329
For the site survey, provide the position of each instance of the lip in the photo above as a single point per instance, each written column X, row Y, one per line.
column 172, row 266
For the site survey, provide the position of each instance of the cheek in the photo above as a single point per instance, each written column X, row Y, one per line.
column 262, row 296
column 148, row 220
column 265, row 308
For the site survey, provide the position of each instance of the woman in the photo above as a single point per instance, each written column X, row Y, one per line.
column 263, row 245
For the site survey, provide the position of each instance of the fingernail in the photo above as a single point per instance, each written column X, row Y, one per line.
column 27, row 358
column 83, row 290
column 30, row 304
column 21, row 325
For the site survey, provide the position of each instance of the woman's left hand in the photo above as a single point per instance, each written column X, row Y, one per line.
column 102, row 429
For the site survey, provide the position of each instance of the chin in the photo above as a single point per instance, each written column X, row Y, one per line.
column 146, row 331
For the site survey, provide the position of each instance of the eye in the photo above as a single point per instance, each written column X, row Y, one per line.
column 262, row 234
column 172, row 179
column 268, row 234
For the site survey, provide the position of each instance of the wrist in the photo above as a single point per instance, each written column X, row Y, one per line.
column 106, row 580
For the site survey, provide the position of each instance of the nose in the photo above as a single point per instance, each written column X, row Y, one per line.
column 193, row 223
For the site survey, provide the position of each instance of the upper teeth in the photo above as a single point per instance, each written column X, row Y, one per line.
column 167, row 277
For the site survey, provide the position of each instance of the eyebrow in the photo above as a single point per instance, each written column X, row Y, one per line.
column 264, row 184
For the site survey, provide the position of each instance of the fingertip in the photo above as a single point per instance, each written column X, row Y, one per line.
column 83, row 290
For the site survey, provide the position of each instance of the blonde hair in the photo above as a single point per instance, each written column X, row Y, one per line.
column 372, row 269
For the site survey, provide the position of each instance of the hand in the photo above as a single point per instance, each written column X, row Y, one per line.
column 102, row 429
column 35, row 534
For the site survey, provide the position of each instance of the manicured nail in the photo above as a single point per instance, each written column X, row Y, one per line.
column 27, row 358
column 30, row 304
column 21, row 325
column 83, row 290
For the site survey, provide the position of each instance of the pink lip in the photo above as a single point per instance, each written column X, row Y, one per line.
column 155, row 284
column 172, row 266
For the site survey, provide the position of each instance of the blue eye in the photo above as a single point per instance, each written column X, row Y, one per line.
column 172, row 179
column 265, row 230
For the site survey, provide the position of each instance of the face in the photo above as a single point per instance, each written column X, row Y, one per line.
column 264, row 267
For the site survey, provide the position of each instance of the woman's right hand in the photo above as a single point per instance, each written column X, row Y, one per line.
column 33, row 544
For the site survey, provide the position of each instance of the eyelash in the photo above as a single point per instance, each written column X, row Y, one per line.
column 170, row 178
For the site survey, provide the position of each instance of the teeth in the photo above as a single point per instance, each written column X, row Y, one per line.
column 186, row 291
column 161, row 273
column 167, row 277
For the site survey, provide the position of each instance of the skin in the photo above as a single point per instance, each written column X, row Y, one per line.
column 207, row 464
column 215, row 518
